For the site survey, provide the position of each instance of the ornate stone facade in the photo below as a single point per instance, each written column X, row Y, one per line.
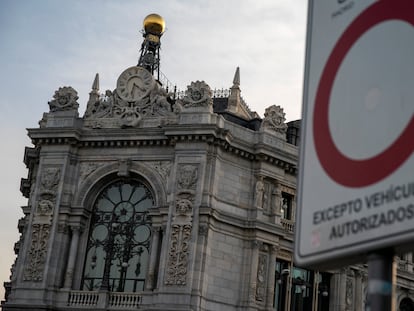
column 218, row 208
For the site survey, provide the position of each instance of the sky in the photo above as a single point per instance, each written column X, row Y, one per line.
column 47, row 44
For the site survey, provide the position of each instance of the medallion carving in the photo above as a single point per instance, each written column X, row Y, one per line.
column 274, row 120
column 187, row 177
column 198, row 94
column 65, row 99
column 50, row 180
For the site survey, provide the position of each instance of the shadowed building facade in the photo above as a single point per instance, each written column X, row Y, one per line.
column 155, row 200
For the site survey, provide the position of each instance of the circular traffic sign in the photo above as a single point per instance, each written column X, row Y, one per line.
column 342, row 169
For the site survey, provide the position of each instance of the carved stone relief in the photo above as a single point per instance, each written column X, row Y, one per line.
column 349, row 294
column 261, row 277
column 187, row 177
column 137, row 97
column 274, row 120
column 259, row 190
column 64, row 100
column 178, row 253
column 50, row 180
column 163, row 168
column 268, row 196
column 42, row 220
column 86, row 168
column 37, row 253
column 198, row 94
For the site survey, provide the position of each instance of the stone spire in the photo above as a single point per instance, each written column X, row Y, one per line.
column 94, row 94
column 234, row 98
column 95, row 85
column 236, row 103
column 236, row 79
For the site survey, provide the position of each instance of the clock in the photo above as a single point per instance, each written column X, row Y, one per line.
column 134, row 83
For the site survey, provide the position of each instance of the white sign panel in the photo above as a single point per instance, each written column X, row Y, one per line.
column 356, row 179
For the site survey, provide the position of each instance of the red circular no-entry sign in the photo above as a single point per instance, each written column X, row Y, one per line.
column 342, row 169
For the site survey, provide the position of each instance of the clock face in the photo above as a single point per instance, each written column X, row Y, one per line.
column 134, row 83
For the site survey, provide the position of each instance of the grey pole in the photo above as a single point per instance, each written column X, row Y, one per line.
column 380, row 277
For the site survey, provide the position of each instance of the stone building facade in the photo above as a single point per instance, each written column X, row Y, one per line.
column 160, row 201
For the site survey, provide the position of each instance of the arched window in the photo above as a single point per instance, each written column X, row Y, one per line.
column 119, row 238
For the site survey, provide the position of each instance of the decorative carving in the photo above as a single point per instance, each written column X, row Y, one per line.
column 101, row 108
column 50, row 180
column 127, row 113
column 203, row 230
column 276, row 207
column 349, row 295
column 86, row 168
column 64, row 99
column 124, row 167
column 162, row 167
column 274, row 120
column 45, row 207
column 63, row 228
column 187, row 177
column 178, row 255
column 285, row 255
column 138, row 96
column 181, row 226
column 261, row 277
column 184, row 207
column 159, row 101
column 198, row 94
column 37, row 253
column 259, row 193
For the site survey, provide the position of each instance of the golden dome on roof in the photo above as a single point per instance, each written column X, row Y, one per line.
column 154, row 24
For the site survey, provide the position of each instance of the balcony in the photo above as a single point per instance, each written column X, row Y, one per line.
column 288, row 225
column 75, row 299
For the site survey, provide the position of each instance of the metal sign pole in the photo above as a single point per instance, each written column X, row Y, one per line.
column 380, row 278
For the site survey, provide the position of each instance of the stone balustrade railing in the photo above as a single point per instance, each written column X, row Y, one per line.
column 108, row 300
column 288, row 225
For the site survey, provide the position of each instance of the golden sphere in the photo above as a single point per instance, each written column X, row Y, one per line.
column 154, row 24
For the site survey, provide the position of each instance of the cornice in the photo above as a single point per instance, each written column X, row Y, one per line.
column 166, row 136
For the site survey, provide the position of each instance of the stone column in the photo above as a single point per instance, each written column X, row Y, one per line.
column 149, row 285
column 72, row 256
column 253, row 271
column 358, row 291
column 338, row 290
column 271, row 278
